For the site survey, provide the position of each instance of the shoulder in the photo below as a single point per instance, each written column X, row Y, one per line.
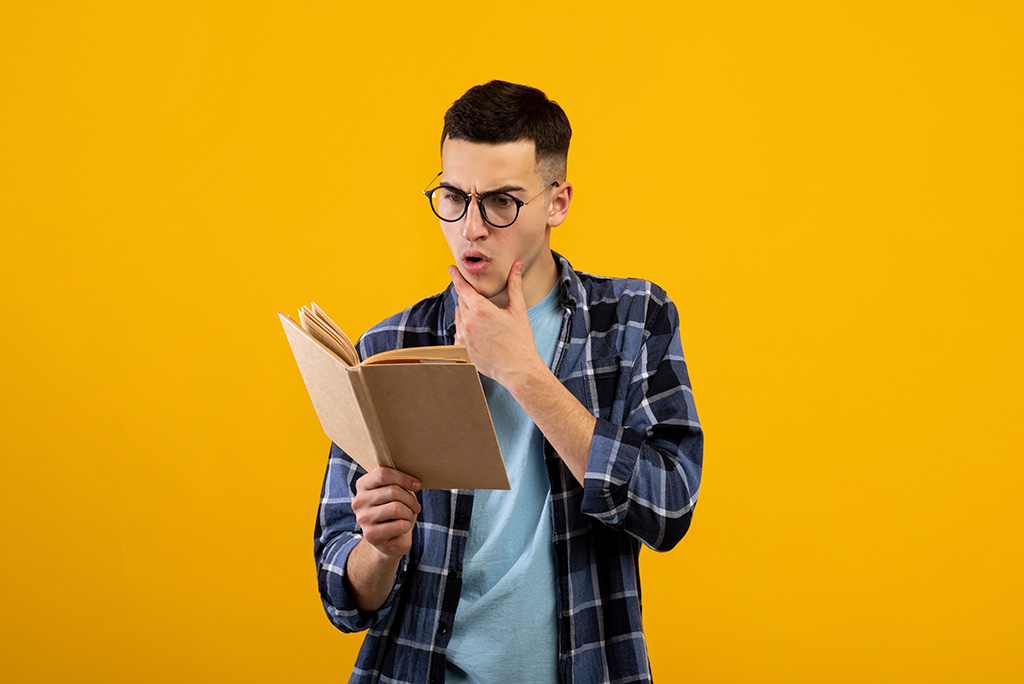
column 586, row 289
column 622, row 301
column 420, row 325
column 609, row 288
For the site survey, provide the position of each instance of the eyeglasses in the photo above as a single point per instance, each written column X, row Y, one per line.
column 499, row 209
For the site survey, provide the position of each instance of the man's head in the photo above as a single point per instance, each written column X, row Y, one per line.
column 502, row 187
column 502, row 112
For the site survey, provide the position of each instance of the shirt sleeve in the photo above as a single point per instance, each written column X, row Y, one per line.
column 643, row 475
column 336, row 535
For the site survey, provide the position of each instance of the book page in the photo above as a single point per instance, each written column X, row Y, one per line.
column 442, row 354
column 342, row 337
column 326, row 336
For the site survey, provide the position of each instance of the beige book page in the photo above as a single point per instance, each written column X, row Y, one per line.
column 342, row 337
column 443, row 354
column 326, row 336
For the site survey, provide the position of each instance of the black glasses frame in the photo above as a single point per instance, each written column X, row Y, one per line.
column 466, row 196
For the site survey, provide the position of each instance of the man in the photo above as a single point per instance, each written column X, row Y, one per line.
column 588, row 391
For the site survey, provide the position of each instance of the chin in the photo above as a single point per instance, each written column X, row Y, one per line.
column 486, row 284
column 487, row 290
column 498, row 294
column 490, row 291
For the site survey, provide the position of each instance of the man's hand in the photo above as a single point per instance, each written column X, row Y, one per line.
column 386, row 508
column 499, row 341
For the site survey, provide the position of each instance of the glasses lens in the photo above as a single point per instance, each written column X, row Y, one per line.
column 501, row 209
column 448, row 203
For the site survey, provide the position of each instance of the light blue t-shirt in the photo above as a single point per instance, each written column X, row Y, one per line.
column 505, row 626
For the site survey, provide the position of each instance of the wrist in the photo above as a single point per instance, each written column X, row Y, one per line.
column 370, row 576
column 375, row 561
column 526, row 377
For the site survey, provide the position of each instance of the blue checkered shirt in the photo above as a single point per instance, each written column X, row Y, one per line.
column 619, row 353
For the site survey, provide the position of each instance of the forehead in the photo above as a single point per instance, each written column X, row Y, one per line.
column 483, row 165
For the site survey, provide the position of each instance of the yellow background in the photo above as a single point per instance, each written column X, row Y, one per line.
column 831, row 192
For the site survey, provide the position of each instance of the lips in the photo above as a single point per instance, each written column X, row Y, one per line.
column 474, row 262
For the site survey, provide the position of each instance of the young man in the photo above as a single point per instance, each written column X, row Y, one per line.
column 589, row 395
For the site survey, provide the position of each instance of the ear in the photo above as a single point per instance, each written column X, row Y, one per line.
column 559, row 205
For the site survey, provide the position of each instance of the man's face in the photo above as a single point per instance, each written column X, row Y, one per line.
column 485, row 254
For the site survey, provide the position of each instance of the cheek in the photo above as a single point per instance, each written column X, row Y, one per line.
column 451, row 235
column 529, row 246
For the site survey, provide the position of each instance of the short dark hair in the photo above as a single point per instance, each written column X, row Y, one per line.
column 501, row 112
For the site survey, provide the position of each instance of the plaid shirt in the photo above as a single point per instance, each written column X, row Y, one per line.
column 619, row 353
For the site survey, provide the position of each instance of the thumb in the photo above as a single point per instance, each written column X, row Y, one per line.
column 516, row 299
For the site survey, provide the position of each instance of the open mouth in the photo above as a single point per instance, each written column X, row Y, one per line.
column 474, row 263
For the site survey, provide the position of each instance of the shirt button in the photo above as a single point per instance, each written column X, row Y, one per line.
column 442, row 630
column 460, row 518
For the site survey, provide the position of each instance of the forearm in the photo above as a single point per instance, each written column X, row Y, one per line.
column 363, row 532
column 561, row 418
column 640, row 477
column 370, row 576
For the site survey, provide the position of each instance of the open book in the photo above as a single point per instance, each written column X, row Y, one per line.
column 420, row 410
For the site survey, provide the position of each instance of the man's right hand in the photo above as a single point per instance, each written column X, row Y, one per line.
column 386, row 508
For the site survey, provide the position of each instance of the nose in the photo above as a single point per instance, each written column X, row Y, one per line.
column 473, row 225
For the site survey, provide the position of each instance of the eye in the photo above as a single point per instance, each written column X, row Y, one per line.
column 502, row 201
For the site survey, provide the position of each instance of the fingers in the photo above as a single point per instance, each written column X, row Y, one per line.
column 379, row 477
column 382, row 524
column 383, row 486
column 459, row 337
column 390, row 538
column 466, row 293
column 462, row 286
column 516, row 299
column 386, row 507
column 386, row 503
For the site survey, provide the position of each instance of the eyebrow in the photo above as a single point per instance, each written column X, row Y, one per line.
column 503, row 188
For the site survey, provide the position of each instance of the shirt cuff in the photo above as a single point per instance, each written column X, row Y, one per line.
column 338, row 600
column 610, row 468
